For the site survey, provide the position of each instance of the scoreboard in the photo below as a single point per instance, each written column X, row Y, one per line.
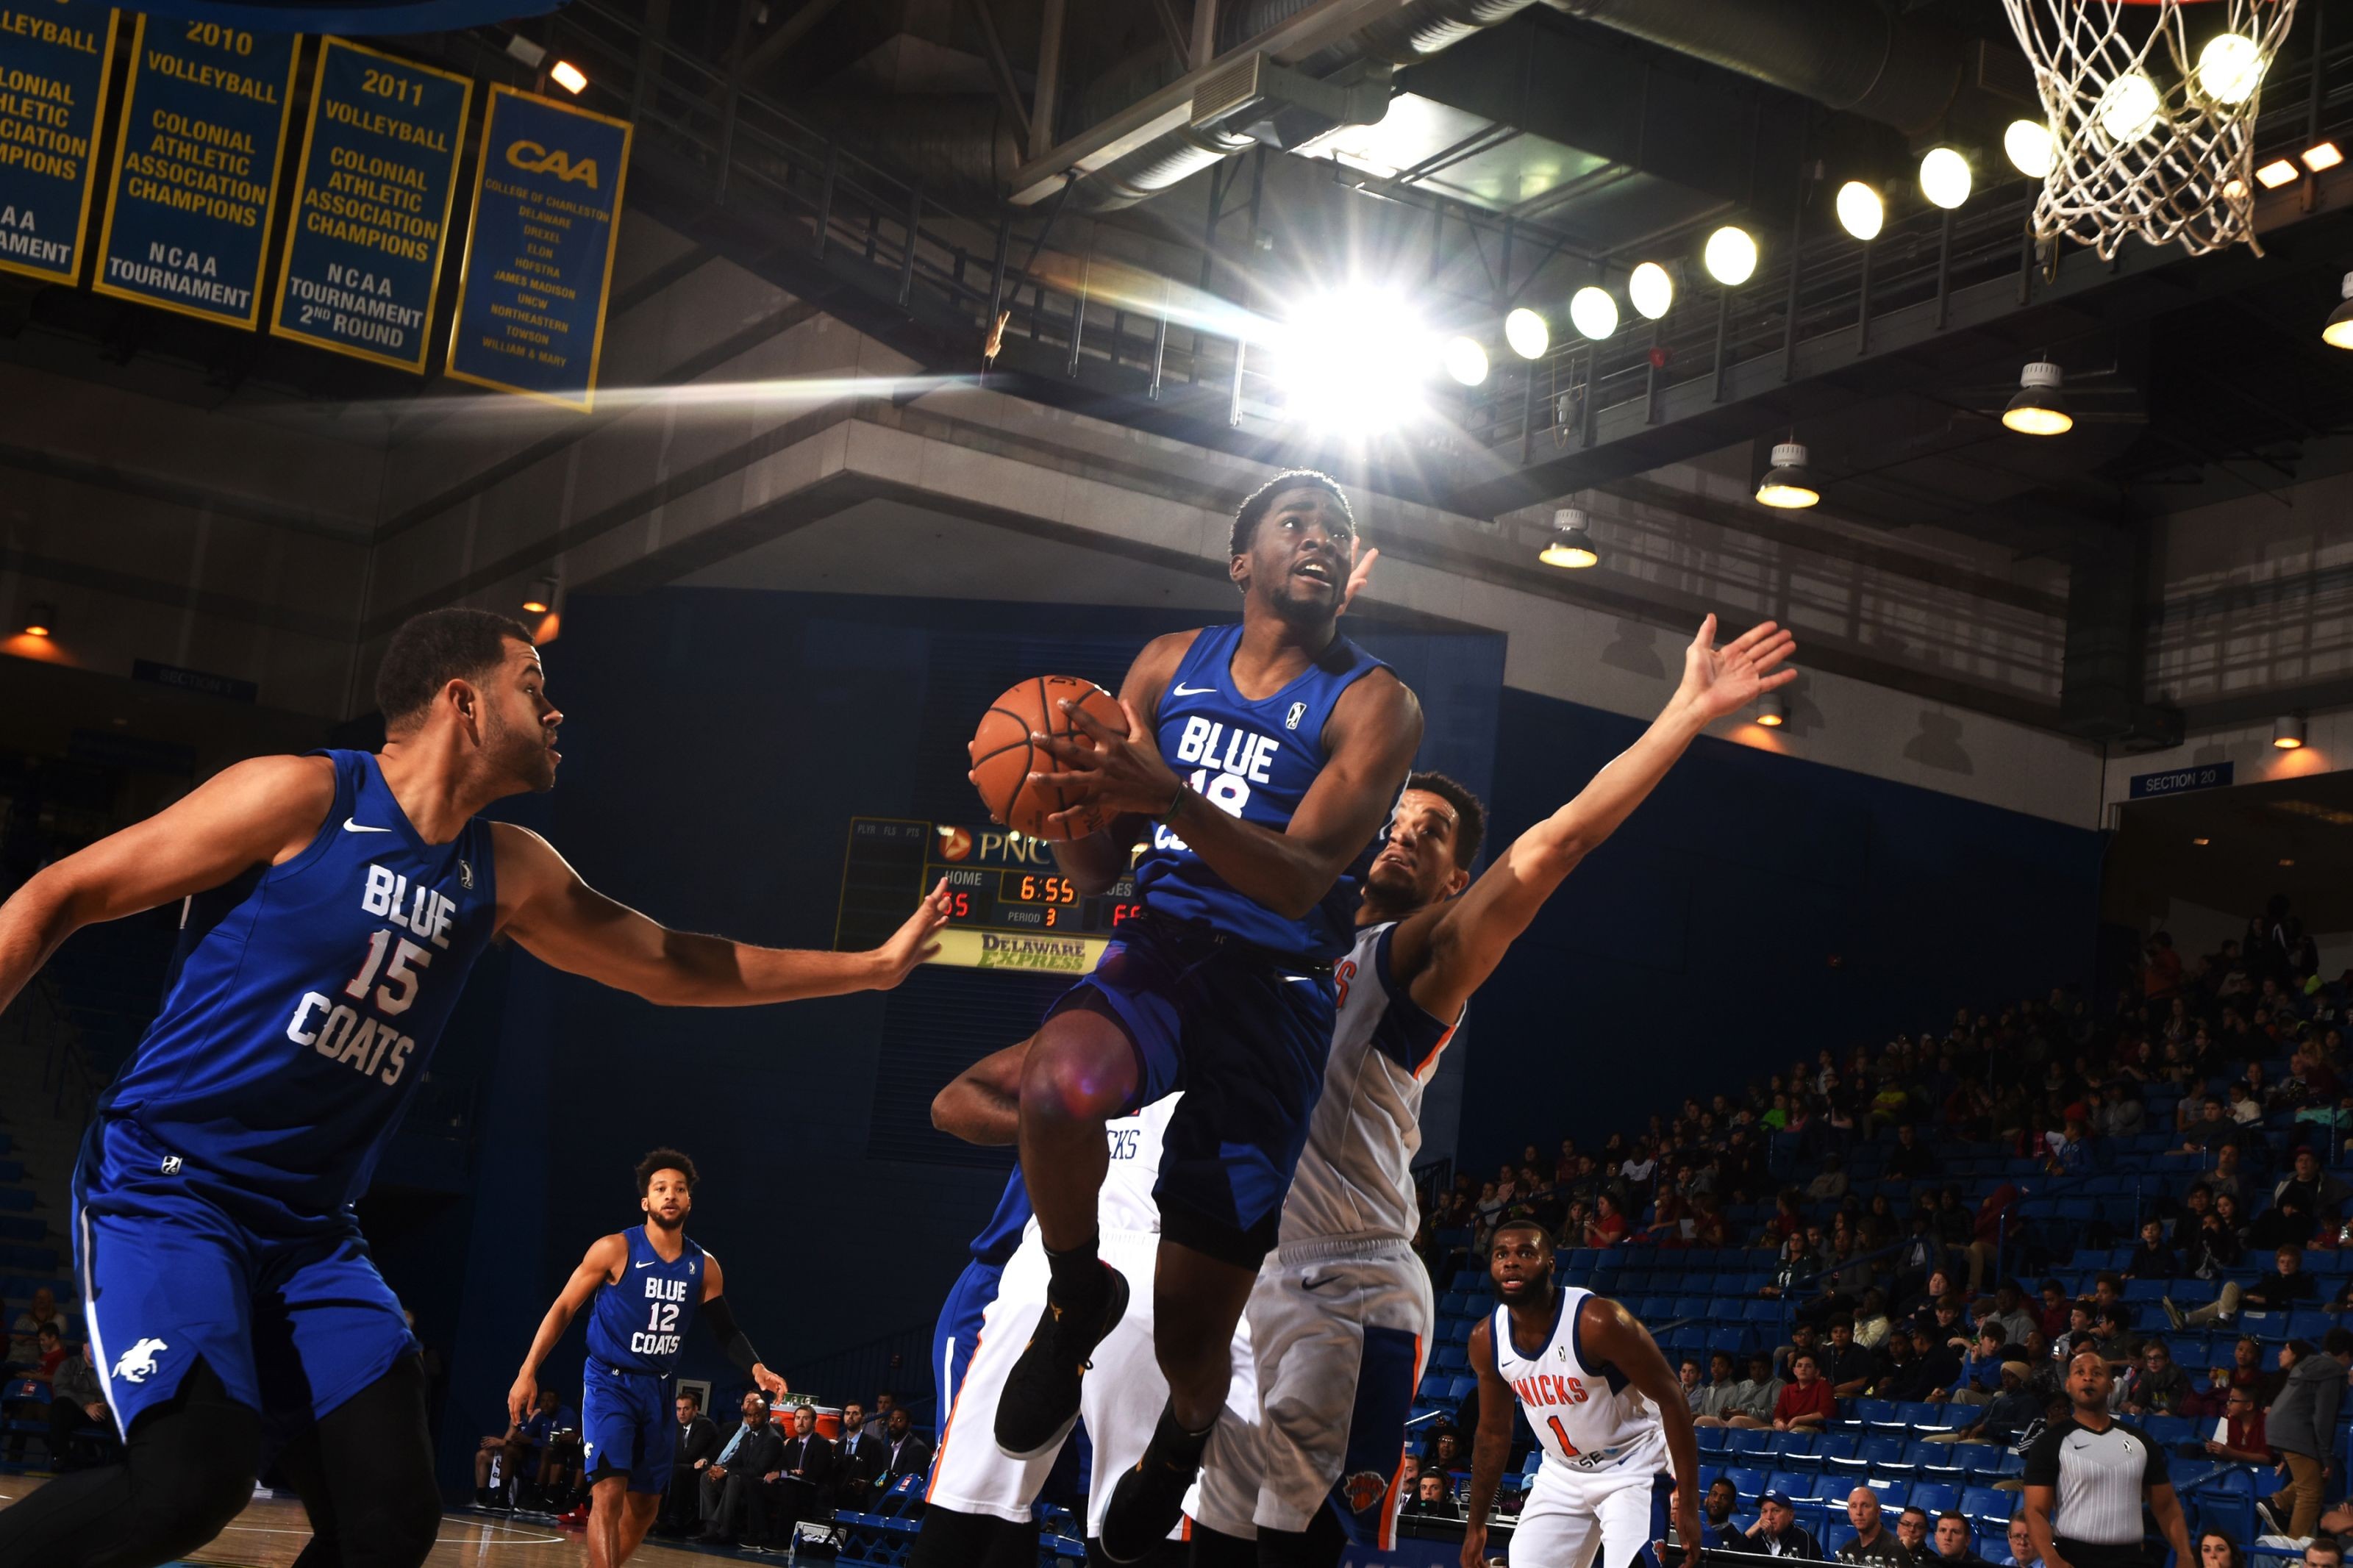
column 1010, row 907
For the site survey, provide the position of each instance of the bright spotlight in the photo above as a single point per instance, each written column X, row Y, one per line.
column 2337, row 330
column 568, row 77
column 1652, row 289
column 1945, row 177
column 1860, row 210
column 2038, row 407
column 2322, row 155
column 2276, row 173
column 1465, row 360
column 1789, row 483
column 1346, row 361
column 1592, row 312
column 2229, row 67
column 2029, row 148
column 1528, row 333
column 2130, row 106
column 1730, row 257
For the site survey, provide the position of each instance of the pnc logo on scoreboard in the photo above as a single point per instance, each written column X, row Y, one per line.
column 533, row 158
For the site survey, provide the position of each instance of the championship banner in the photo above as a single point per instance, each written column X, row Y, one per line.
column 372, row 198
column 195, row 175
column 539, row 251
column 55, row 57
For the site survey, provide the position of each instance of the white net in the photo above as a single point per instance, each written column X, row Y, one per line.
column 2151, row 113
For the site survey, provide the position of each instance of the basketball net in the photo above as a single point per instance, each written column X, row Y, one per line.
column 2151, row 123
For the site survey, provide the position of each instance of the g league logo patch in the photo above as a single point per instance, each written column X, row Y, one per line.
column 1298, row 711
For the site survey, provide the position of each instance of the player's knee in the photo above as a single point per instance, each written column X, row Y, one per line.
column 184, row 1494
column 1074, row 1082
column 396, row 1527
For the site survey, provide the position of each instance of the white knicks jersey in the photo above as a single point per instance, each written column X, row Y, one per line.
column 1125, row 1202
column 1355, row 1174
column 1586, row 1417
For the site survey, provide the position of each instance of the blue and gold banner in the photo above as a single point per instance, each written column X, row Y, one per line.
column 55, row 57
column 372, row 197
column 539, row 251
column 195, row 175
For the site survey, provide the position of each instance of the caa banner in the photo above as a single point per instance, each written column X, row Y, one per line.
column 55, row 57
column 372, row 197
column 195, row 175
column 539, row 251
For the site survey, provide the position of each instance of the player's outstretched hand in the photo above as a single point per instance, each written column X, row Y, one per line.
column 770, row 1384
column 1721, row 681
column 521, row 1398
column 1688, row 1527
column 1121, row 772
column 916, row 941
column 1358, row 576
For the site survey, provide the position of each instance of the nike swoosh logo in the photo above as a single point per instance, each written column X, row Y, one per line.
column 1317, row 1284
column 350, row 826
column 1192, row 691
column 643, row 1266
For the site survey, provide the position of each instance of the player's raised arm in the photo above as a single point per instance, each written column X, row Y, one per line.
column 1610, row 1333
column 545, row 905
column 1450, row 951
column 1490, row 1446
column 257, row 813
column 600, row 1265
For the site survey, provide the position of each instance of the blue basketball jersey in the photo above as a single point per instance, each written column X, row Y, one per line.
column 1002, row 1233
column 1255, row 761
column 637, row 1324
column 303, row 1003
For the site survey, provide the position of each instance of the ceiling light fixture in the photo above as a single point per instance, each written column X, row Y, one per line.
column 1771, row 711
column 1572, row 543
column 2324, row 155
column 2038, row 408
column 2337, row 330
column 568, row 77
column 2129, row 108
column 1730, row 257
column 2276, row 173
column 2229, row 67
column 2287, row 732
column 1651, row 287
column 522, row 49
column 542, row 597
column 2030, row 148
column 1527, row 333
column 2201, row 843
column 1593, row 313
column 1788, row 483
column 1946, row 178
column 1465, row 358
column 1860, row 211
column 41, row 620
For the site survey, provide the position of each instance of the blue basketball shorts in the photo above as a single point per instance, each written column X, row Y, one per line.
column 292, row 1325
column 959, row 1329
column 625, row 1425
column 1245, row 1037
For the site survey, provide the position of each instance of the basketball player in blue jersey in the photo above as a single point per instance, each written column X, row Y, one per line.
column 1257, row 764
column 648, row 1284
column 1609, row 1414
column 334, row 902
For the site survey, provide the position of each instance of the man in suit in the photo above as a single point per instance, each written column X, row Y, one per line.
column 904, row 1451
column 857, row 1458
column 805, row 1478
column 732, row 1498
column 698, row 1445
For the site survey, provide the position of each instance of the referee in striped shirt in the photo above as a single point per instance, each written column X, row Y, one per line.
column 2087, row 1477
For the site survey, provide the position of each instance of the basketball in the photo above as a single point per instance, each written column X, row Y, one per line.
column 1003, row 756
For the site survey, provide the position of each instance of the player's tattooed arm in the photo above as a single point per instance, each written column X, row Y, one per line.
column 561, row 920
column 1613, row 1335
column 600, row 1265
column 983, row 1104
column 1490, row 1446
column 262, row 812
column 1450, row 949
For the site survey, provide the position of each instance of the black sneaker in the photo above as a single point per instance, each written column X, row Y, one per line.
column 1147, row 1501
column 1040, row 1399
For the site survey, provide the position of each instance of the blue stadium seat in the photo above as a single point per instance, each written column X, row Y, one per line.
column 1795, row 1484
column 1734, row 1342
column 1987, row 1509
column 1750, row 1439
column 1835, row 1452
column 1879, row 1454
column 1748, row 1483
column 1924, row 1416
column 1710, row 1439
column 1894, row 1491
column 1763, row 1311
column 1795, row 1450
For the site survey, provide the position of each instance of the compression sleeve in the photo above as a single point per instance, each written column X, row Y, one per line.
column 731, row 1338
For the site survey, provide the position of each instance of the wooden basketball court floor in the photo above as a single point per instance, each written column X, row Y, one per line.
column 273, row 1532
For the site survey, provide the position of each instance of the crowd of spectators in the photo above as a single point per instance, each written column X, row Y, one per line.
column 46, row 1377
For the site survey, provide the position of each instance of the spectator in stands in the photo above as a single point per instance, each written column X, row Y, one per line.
column 879, row 1421
column 1433, row 1500
column 2212, row 1131
column 2239, row 1435
column 1716, row 1511
column 2053, row 1320
column 2152, row 1259
column 2155, row 1387
column 2196, row 1205
column 1911, row 1160
column 733, row 1500
column 2226, row 1180
column 1955, row 1546
column 2216, row 1550
column 2227, row 1210
column 1912, row 1531
column 1805, row 1339
column 1871, row 1324
column 1695, row 1390
column 2072, row 1155
column 520, row 1448
column 2114, row 1344
column 1905, row 1376
column 1792, row 1272
column 1446, row 1452
column 1923, row 1302
column 1874, row 1545
column 2214, row 1248
column 76, row 1399
column 857, row 1458
column 696, row 1445
column 906, row 1453
column 1830, row 1183
column 2287, row 1223
column 49, row 1350
column 804, row 1477
column 24, row 1334
column 1979, row 1378
column 2001, row 1418
column 1987, row 1230
column 1776, row 1532
column 2009, row 1309
column 2302, row 1424
column 2324, row 1552
column 1607, row 1226
column 1846, row 1365
column 1806, row 1403
column 2286, row 1287
column 2021, row 1547
column 2320, row 1189
column 2119, row 1112
column 1753, row 1398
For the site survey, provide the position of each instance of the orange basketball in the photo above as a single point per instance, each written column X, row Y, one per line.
column 1003, row 756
